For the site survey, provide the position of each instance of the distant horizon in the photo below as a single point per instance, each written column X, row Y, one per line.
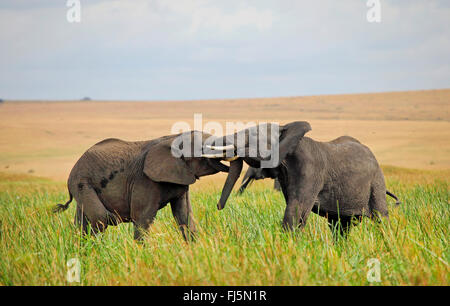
column 91, row 99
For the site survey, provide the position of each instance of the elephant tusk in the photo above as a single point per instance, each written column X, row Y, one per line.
column 220, row 155
column 221, row 148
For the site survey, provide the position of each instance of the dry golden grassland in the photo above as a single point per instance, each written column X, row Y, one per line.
column 407, row 129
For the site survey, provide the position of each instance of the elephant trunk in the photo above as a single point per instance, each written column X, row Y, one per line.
column 233, row 175
column 236, row 163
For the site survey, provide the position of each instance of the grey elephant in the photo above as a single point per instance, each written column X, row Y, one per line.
column 254, row 174
column 340, row 179
column 119, row 181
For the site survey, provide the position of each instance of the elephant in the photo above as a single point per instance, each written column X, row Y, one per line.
column 256, row 174
column 118, row 181
column 340, row 180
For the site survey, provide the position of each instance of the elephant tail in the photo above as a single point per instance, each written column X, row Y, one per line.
column 393, row 196
column 62, row 207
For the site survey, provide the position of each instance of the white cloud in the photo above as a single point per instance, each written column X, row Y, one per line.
column 214, row 19
column 246, row 43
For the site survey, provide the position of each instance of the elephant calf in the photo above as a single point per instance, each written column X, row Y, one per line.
column 118, row 181
column 256, row 174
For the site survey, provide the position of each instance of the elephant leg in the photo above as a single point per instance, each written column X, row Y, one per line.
column 276, row 185
column 143, row 221
column 297, row 211
column 91, row 209
column 296, row 214
column 141, row 225
column 144, row 206
column 300, row 201
column 339, row 226
column 182, row 212
column 377, row 201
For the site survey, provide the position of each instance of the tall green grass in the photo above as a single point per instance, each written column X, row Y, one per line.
column 242, row 245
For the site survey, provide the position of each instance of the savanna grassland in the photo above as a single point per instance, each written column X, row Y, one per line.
column 244, row 244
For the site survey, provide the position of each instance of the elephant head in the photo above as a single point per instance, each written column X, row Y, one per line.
column 246, row 145
column 178, row 159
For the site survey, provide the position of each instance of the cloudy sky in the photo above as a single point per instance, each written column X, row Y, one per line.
column 200, row 49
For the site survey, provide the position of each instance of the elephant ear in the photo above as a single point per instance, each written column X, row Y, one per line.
column 161, row 166
column 290, row 135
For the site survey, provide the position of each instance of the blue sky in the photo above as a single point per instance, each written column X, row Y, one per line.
column 200, row 49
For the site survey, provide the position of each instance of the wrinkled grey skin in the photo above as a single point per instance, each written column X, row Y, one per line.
column 340, row 180
column 119, row 181
column 256, row 174
column 261, row 173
